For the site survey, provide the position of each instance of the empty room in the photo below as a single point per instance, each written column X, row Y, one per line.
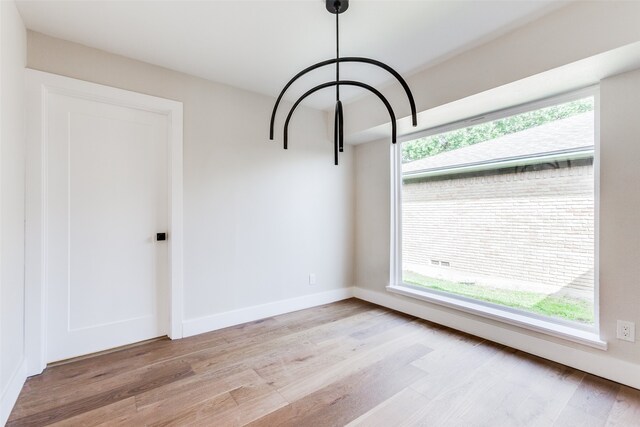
column 319, row 213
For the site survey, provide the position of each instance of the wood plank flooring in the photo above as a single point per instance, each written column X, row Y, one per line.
column 348, row 363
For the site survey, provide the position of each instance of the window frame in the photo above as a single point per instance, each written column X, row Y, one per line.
column 573, row 331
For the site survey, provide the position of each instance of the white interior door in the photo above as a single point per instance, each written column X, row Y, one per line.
column 106, row 198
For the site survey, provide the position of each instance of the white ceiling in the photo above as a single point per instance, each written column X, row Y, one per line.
column 259, row 45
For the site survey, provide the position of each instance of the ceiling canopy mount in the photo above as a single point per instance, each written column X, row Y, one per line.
column 337, row 7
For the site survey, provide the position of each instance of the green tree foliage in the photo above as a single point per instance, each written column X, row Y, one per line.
column 436, row 144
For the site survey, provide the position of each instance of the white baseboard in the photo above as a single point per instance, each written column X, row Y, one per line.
column 11, row 392
column 249, row 314
column 595, row 362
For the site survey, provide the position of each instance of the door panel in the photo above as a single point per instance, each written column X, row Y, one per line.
column 106, row 199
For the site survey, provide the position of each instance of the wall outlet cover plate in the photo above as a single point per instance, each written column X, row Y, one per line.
column 626, row 331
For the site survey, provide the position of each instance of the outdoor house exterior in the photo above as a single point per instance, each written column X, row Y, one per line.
column 515, row 212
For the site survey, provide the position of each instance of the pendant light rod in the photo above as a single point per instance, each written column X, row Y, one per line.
column 338, row 134
column 339, row 122
column 337, row 58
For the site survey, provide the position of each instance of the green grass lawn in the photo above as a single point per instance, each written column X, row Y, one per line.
column 547, row 305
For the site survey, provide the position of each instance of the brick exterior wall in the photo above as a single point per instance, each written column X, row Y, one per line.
column 536, row 226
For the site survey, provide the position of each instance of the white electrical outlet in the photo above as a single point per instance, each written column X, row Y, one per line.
column 626, row 331
column 312, row 279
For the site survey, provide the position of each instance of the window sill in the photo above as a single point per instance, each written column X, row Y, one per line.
column 576, row 335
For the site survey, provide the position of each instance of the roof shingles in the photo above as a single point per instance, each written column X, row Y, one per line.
column 561, row 135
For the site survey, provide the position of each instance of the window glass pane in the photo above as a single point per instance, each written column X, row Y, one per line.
column 503, row 212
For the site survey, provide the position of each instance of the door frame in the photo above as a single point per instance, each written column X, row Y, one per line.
column 39, row 85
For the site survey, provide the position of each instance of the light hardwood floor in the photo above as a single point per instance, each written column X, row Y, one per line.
column 344, row 363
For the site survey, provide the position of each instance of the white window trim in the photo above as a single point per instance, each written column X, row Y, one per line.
column 588, row 335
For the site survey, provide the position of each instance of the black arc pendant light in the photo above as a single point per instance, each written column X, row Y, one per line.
column 338, row 7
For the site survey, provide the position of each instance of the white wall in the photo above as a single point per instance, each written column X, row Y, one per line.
column 620, row 210
column 619, row 206
column 257, row 219
column 12, row 171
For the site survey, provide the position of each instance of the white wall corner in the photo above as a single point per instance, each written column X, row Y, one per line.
column 594, row 362
column 249, row 314
column 12, row 391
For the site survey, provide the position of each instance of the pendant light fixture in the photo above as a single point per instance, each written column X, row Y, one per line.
column 338, row 7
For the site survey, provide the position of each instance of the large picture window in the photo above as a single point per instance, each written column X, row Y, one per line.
column 503, row 212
